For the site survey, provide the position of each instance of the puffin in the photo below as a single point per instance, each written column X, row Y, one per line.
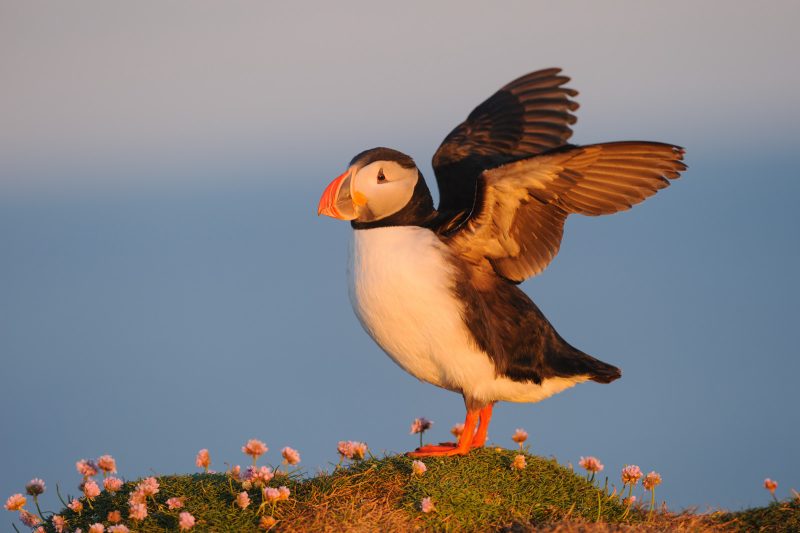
column 438, row 288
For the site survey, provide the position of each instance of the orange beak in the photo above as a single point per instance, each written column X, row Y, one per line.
column 336, row 200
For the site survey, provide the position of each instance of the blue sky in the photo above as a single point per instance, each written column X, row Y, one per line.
column 167, row 285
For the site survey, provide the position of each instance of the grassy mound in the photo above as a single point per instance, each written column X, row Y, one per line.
column 783, row 516
column 479, row 492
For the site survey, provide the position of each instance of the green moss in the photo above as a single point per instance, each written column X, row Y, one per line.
column 485, row 490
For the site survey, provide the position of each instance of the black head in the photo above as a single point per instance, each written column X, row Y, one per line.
column 381, row 187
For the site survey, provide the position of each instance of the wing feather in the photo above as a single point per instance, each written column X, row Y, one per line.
column 526, row 117
column 517, row 227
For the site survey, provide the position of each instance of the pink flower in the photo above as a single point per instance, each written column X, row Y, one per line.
column 631, row 475
column 359, row 450
column 149, row 486
column 520, row 436
column 457, row 430
column 59, row 522
column 420, row 425
column 243, row 500
column 290, row 455
column 76, row 506
column 255, row 448
column 518, row 463
column 39, row 529
column 266, row 523
column 137, row 511
column 119, row 529
column 175, row 503
column 107, row 464
column 427, row 505
column 418, row 468
column 770, row 485
column 235, row 471
column 259, row 476
column 284, row 492
column 30, row 520
column 86, row 468
column 185, row 521
column 591, row 464
column 352, row 449
column 272, row 495
column 345, row 448
column 629, row 501
column 137, row 496
column 114, row 517
column 651, row 481
column 203, row 459
column 15, row 502
column 35, row 487
column 97, row 528
column 91, row 489
column 112, row 484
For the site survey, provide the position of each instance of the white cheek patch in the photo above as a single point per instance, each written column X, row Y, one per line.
column 383, row 199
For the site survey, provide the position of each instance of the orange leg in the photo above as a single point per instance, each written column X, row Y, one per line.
column 483, row 428
column 464, row 441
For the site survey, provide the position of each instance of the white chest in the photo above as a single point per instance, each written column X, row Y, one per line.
column 401, row 290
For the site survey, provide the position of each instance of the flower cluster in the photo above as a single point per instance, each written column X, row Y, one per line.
column 175, row 503
column 520, row 436
column 290, row 456
column 426, row 505
column 631, row 475
column 258, row 476
column 86, row 468
column 351, row 449
column 112, row 484
column 15, row 502
column 420, row 425
column 107, row 464
column 203, row 460
column 185, row 521
column 35, row 487
column 518, row 463
column 591, row 464
column 770, row 485
column 255, row 449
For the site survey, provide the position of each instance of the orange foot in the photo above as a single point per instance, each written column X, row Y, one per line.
column 468, row 440
column 438, row 451
column 442, row 446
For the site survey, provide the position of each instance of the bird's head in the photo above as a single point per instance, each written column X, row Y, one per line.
column 380, row 187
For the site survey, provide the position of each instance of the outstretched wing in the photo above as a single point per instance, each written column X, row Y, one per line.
column 529, row 116
column 518, row 219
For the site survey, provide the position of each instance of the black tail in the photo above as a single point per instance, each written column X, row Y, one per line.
column 570, row 361
column 603, row 372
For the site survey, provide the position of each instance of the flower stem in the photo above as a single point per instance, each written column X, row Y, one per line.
column 36, row 502
column 652, row 502
column 58, row 493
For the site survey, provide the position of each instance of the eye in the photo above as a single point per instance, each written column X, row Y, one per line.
column 381, row 177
